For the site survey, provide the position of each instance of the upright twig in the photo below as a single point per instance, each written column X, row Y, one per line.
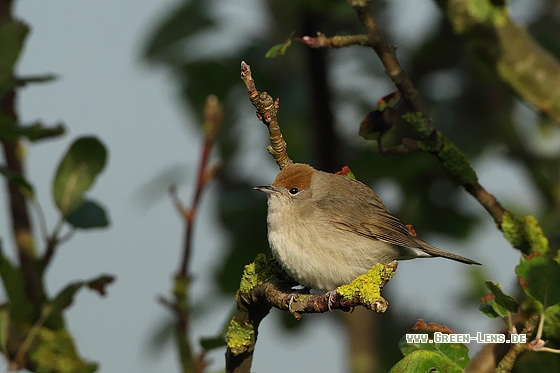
column 181, row 286
column 19, row 211
column 267, row 112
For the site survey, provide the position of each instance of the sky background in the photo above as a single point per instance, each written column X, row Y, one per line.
column 106, row 90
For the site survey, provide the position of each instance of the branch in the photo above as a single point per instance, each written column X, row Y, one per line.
column 527, row 68
column 454, row 162
column 264, row 285
column 180, row 305
column 506, row 364
column 267, row 111
column 18, row 208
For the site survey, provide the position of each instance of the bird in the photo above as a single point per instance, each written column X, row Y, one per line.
column 327, row 229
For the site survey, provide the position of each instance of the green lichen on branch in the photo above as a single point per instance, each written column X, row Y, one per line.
column 453, row 161
column 368, row 286
column 456, row 163
column 258, row 272
column 525, row 235
column 239, row 338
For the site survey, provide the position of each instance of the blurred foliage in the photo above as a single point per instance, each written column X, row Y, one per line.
column 468, row 103
column 33, row 333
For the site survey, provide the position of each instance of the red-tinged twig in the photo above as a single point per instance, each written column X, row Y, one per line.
column 212, row 119
column 181, row 285
column 338, row 41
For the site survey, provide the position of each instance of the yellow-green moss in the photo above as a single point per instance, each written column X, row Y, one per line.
column 535, row 236
column 367, row 285
column 456, row 163
column 452, row 159
column 258, row 272
column 525, row 235
column 238, row 338
column 56, row 353
column 416, row 121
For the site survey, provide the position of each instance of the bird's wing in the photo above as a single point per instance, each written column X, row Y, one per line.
column 368, row 218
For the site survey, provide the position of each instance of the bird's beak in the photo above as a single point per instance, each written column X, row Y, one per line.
column 269, row 189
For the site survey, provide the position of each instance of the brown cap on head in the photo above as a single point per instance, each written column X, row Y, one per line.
column 295, row 175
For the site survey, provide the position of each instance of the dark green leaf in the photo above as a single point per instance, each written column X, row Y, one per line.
column 211, row 343
column 190, row 18
column 552, row 322
column 12, row 36
column 280, row 49
column 33, row 132
column 491, row 309
column 89, row 215
column 505, row 301
column 45, row 78
column 77, row 172
column 65, row 297
column 539, row 276
column 55, row 351
column 20, row 181
column 4, row 326
column 14, row 284
column 100, row 283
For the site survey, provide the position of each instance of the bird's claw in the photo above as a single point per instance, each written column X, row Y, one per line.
column 292, row 297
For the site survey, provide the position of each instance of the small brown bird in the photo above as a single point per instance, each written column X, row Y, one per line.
column 327, row 229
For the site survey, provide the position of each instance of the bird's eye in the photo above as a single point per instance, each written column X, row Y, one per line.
column 294, row 191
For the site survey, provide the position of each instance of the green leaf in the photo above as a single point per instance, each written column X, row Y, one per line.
column 456, row 354
column 14, row 285
column 426, row 361
column 77, row 172
column 20, row 181
column 33, row 132
column 44, row 78
column 188, row 19
column 552, row 322
column 4, row 326
column 99, row 284
column 539, row 277
column 65, row 298
column 498, row 304
column 280, row 49
column 55, row 351
column 210, row 343
column 12, row 36
column 89, row 215
column 491, row 309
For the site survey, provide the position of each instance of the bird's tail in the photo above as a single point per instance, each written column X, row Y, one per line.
column 432, row 251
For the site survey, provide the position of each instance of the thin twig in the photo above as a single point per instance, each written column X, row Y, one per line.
column 181, row 304
column 267, row 112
